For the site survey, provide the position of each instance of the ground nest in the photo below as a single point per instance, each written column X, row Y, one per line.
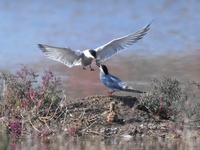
column 99, row 115
column 117, row 116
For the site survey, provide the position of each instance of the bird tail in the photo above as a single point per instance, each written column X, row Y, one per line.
column 130, row 89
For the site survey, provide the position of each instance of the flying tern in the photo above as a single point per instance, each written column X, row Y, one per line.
column 84, row 58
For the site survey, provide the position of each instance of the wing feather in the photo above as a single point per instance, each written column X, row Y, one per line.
column 113, row 47
column 66, row 55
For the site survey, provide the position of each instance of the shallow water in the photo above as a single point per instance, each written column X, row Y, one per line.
column 170, row 48
column 97, row 143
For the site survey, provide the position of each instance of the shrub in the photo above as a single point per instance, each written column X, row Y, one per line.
column 167, row 99
column 24, row 96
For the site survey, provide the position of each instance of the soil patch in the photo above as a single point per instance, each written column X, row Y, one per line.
column 117, row 116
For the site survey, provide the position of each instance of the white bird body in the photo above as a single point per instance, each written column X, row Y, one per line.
column 84, row 58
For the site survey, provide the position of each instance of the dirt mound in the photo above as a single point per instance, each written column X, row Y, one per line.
column 112, row 116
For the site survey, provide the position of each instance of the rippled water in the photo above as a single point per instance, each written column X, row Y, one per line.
column 170, row 48
column 89, row 24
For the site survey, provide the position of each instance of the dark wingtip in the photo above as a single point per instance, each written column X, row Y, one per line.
column 148, row 25
column 136, row 91
column 152, row 20
column 141, row 92
column 41, row 47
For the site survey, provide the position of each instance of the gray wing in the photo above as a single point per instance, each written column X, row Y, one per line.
column 123, row 85
column 111, row 81
column 114, row 78
column 113, row 47
column 66, row 56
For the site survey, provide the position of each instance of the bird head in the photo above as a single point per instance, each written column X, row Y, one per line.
column 103, row 69
column 93, row 54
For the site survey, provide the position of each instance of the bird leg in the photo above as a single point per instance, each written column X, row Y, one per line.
column 91, row 69
column 84, row 68
column 110, row 92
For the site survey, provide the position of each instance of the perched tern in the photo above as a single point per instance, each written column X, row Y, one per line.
column 113, row 82
column 84, row 58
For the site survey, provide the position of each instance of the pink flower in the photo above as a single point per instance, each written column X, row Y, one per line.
column 39, row 102
column 32, row 94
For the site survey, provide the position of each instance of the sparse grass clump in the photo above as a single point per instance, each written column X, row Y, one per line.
column 168, row 99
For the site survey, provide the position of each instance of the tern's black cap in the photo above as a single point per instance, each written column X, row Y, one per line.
column 105, row 69
column 93, row 53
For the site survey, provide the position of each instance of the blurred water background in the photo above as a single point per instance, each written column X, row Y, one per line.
column 170, row 48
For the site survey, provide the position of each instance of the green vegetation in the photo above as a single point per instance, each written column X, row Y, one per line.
column 168, row 99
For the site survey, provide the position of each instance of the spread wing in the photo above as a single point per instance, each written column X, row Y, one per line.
column 113, row 47
column 66, row 56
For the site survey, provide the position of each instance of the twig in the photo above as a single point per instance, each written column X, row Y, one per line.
column 50, row 107
column 193, row 120
column 61, row 112
column 33, row 125
column 89, row 126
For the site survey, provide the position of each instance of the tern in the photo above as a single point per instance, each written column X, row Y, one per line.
column 113, row 82
column 84, row 58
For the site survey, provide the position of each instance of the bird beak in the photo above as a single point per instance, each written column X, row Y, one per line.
column 98, row 64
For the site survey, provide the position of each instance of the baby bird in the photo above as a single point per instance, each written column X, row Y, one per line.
column 113, row 82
